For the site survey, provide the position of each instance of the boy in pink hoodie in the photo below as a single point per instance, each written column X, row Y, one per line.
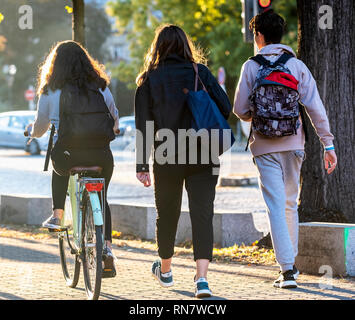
column 279, row 159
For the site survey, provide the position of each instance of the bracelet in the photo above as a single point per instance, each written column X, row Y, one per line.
column 329, row 148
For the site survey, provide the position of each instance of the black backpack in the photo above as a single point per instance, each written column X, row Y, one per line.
column 84, row 122
column 84, row 119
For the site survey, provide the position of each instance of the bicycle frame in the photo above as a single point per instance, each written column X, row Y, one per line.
column 76, row 188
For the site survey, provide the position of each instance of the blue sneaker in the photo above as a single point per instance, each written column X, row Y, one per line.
column 165, row 279
column 201, row 288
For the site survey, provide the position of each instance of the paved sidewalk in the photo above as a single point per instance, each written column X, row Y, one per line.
column 30, row 269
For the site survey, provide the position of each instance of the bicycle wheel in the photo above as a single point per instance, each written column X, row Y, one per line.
column 68, row 258
column 92, row 246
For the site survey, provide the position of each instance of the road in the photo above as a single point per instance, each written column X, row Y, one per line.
column 23, row 174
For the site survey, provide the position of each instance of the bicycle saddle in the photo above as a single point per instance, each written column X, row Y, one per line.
column 81, row 170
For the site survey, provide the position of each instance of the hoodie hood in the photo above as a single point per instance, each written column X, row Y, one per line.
column 276, row 49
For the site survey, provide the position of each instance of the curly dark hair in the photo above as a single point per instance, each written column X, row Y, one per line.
column 270, row 25
column 69, row 62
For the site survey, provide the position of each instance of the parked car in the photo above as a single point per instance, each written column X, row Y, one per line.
column 12, row 126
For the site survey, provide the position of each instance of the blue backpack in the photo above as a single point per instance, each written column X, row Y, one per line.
column 206, row 115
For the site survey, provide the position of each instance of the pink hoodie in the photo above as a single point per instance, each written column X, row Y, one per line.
column 309, row 97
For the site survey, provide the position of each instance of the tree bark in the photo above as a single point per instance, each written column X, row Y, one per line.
column 78, row 28
column 330, row 56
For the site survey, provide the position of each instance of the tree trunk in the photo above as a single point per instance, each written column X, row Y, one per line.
column 78, row 33
column 330, row 56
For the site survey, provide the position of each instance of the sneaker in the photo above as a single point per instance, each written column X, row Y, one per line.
column 286, row 280
column 52, row 223
column 201, row 288
column 109, row 270
column 296, row 272
column 165, row 279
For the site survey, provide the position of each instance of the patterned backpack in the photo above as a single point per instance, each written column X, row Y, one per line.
column 274, row 100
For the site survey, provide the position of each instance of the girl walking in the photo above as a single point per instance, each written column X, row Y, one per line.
column 161, row 102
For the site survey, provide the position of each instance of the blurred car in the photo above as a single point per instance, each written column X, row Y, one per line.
column 127, row 126
column 12, row 126
column 125, row 140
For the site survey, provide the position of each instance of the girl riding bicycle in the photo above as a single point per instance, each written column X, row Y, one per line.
column 68, row 63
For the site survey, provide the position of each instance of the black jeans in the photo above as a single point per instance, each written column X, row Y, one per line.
column 89, row 157
column 200, row 185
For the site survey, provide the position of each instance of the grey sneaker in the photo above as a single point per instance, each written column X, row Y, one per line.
column 52, row 223
column 164, row 279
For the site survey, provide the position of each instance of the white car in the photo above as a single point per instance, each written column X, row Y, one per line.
column 12, row 126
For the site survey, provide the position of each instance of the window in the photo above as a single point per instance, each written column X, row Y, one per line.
column 17, row 122
column 4, row 122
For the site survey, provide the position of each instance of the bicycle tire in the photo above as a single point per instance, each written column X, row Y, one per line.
column 92, row 239
column 71, row 274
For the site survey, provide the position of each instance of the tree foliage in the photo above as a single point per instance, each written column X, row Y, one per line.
column 215, row 25
column 27, row 48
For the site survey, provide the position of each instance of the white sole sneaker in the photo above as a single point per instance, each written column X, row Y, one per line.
column 295, row 275
column 163, row 284
column 203, row 294
column 288, row 284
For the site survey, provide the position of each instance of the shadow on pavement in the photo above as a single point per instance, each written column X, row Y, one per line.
column 307, row 288
column 9, row 296
column 18, row 253
column 210, row 269
column 191, row 295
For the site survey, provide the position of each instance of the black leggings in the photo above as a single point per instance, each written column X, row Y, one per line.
column 200, row 185
column 93, row 157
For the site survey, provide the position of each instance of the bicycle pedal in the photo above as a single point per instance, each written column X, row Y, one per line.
column 108, row 273
column 56, row 230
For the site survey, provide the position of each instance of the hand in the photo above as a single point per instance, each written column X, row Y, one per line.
column 117, row 132
column 330, row 161
column 28, row 130
column 144, row 177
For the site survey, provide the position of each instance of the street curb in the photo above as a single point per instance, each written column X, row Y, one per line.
column 139, row 220
column 238, row 181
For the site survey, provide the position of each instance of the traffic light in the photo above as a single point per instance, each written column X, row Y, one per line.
column 263, row 5
column 247, row 15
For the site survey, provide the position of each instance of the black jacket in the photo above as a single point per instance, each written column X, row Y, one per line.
column 161, row 99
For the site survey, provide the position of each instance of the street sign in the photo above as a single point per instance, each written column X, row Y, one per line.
column 29, row 95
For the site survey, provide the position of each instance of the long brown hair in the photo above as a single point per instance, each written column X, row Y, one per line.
column 69, row 62
column 169, row 39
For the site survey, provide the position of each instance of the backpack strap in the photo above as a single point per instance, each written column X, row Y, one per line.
column 283, row 59
column 260, row 59
column 197, row 77
column 303, row 119
column 49, row 148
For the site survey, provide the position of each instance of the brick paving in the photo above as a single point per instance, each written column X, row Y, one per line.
column 30, row 270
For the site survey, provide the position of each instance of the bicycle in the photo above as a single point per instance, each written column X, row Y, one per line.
column 81, row 238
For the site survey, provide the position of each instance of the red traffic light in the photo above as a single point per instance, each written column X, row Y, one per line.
column 264, row 3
